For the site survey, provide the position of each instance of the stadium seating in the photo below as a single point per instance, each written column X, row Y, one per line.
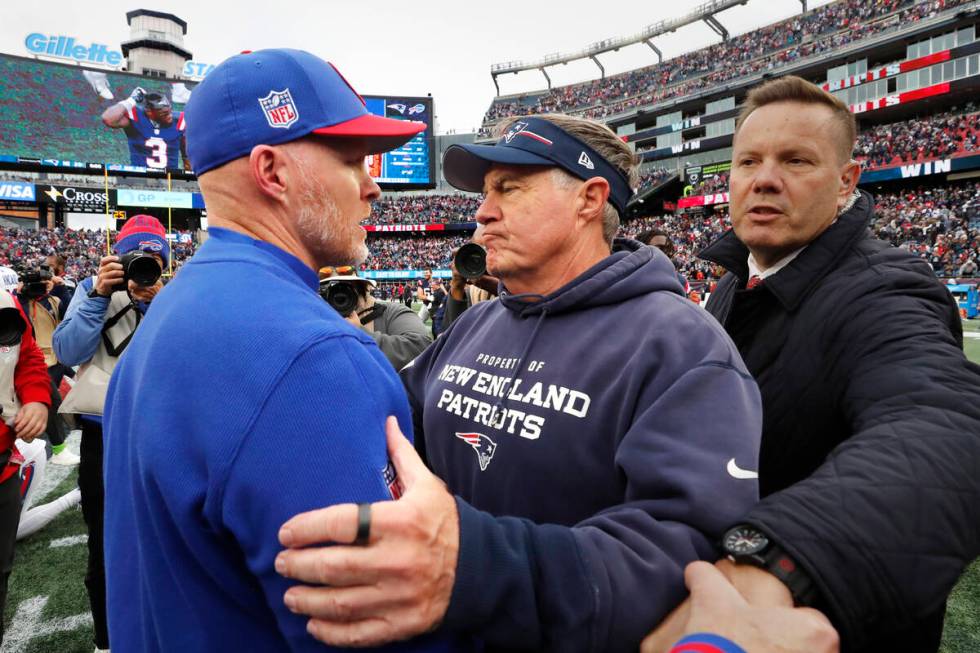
column 823, row 29
column 939, row 223
column 412, row 251
column 82, row 249
column 653, row 176
column 429, row 208
column 938, row 136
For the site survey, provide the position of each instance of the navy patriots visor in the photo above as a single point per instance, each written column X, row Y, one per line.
column 534, row 142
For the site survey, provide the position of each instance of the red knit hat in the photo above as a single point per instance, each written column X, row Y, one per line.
column 146, row 233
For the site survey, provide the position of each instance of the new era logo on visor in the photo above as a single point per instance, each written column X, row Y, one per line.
column 584, row 160
column 279, row 109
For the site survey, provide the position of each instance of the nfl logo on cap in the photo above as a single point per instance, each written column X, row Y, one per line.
column 279, row 109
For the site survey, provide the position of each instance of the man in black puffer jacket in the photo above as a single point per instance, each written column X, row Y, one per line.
column 871, row 413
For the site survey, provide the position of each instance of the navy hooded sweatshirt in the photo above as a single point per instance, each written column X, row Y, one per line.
column 598, row 439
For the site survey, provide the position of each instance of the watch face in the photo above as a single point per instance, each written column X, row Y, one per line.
column 744, row 540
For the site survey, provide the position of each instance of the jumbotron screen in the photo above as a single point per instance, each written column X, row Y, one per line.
column 410, row 165
column 52, row 114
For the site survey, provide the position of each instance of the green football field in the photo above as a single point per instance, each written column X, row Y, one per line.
column 47, row 609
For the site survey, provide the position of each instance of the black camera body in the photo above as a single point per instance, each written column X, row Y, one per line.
column 140, row 267
column 341, row 295
column 35, row 282
column 471, row 261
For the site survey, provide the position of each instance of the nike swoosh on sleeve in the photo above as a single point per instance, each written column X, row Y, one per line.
column 737, row 472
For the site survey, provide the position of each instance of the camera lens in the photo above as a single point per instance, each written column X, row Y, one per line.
column 144, row 271
column 342, row 296
column 141, row 267
column 471, row 261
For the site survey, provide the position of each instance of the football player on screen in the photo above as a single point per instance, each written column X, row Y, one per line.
column 156, row 139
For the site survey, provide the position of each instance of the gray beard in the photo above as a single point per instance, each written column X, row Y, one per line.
column 317, row 225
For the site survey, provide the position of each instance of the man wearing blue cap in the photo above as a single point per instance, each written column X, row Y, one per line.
column 103, row 315
column 245, row 398
column 596, row 428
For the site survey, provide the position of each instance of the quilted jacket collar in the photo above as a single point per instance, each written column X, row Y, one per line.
column 792, row 284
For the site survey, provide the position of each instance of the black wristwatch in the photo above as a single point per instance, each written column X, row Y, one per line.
column 93, row 293
column 746, row 544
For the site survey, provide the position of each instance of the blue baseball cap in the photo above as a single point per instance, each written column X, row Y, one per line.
column 277, row 96
column 534, row 142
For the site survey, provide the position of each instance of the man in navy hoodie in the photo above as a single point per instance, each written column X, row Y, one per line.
column 596, row 428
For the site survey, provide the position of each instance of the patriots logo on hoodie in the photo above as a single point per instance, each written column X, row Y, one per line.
column 482, row 445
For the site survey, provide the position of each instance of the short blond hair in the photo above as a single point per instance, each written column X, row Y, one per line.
column 606, row 144
column 791, row 88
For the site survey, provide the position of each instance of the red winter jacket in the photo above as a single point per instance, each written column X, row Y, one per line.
column 31, row 383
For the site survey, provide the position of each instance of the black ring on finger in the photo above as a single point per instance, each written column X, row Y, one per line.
column 363, row 524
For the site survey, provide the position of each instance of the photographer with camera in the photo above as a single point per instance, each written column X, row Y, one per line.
column 44, row 311
column 470, row 283
column 400, row 333
column 101, row 320
column 63, row 287
column 24, row 399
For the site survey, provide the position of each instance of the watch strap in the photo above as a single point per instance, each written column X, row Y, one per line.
column 781, row 565
column 778, row 562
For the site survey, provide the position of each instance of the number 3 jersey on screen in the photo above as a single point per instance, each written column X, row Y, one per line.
column 154, row 145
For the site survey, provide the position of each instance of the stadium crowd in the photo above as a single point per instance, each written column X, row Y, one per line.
column 941, row 224
column 411, row 251
column 690, row 233
column 825, row 28
column 26, row 248
column 424, row 209
column 709, row 184
column 652, row 177
column 937, row 136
